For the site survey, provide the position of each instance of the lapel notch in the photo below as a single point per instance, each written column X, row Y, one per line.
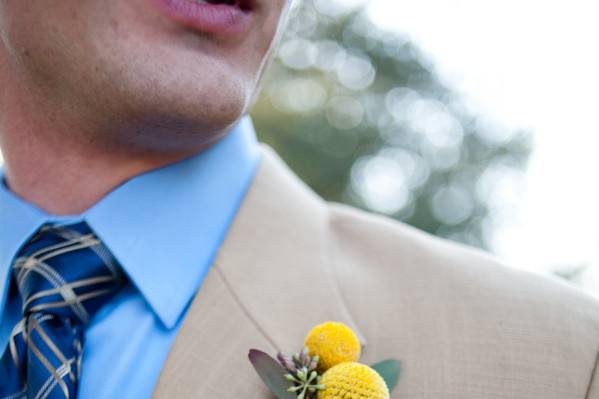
column 270, row 284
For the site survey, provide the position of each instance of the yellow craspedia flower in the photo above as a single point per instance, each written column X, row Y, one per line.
column 334, row 343
column 352, row 381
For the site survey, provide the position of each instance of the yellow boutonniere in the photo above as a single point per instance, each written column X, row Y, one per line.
column 327, row 368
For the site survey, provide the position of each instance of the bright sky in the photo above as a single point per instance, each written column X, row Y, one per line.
column 528, row 63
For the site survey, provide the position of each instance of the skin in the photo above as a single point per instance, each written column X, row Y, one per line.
column 94, row 92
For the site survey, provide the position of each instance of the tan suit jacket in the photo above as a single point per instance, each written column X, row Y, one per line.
column 463, row 326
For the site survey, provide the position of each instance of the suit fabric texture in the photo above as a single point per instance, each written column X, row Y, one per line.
column 463, row 325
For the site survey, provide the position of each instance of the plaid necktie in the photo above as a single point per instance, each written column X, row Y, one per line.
column 64, row 274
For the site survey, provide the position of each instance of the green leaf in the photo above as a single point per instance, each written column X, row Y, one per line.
column 389, row 370
column 272, row 373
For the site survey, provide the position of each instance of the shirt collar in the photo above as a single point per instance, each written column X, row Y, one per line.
column 164, row 227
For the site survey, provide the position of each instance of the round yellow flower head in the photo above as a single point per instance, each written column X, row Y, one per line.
column 352, row 381
column 334, row 343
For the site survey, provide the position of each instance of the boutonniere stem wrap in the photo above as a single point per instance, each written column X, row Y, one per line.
column 326, row 368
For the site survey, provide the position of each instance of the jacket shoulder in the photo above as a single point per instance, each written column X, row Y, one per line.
column 434, row 302
column 386, row 248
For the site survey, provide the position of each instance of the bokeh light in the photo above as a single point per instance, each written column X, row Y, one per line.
column 363, row 116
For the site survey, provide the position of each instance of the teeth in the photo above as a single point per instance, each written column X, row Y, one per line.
column 227, row 2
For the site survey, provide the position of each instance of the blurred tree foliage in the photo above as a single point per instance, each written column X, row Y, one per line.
column 361, row 115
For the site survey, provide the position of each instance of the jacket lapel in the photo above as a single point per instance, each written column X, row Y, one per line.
column 269, row 285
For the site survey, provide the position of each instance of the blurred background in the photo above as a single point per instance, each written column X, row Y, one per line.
column 473, row 120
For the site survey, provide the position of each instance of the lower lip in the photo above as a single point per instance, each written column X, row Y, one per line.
column 218, row 19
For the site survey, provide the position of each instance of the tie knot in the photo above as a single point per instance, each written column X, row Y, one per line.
column 66, row 271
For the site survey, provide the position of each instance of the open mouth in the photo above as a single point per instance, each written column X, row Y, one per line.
column 245, row 5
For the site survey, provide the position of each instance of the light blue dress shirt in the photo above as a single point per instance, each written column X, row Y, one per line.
column 164, row 227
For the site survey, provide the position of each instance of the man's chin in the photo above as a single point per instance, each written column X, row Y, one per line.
column 184, row 127
column 177, row 110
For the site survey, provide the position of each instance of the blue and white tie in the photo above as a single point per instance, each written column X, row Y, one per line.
column 64, row 274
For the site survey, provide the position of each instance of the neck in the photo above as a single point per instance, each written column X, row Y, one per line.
column 73, row 178
column 66, row 174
